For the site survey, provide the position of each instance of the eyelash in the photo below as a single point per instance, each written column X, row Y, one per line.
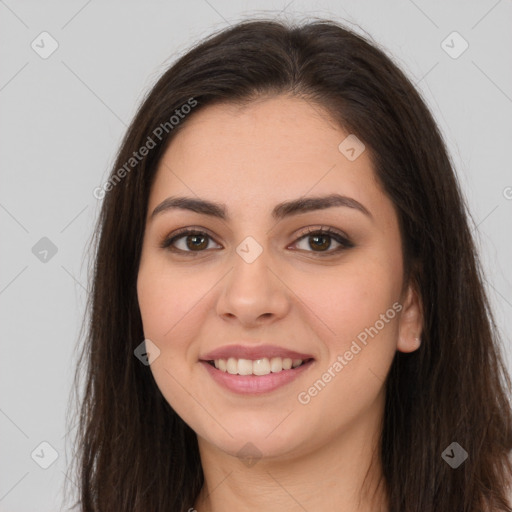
column 338, row 237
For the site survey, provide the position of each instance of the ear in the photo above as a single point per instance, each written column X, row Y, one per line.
column 411, row 321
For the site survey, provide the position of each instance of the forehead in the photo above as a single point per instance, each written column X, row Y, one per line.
column 265, row 152
column 280, row 131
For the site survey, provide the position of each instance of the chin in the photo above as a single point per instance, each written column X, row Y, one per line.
column 264, row 439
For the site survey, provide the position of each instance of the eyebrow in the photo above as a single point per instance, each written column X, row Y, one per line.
column 280, row 211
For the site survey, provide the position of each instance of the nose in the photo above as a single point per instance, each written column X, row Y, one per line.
column 253, row 293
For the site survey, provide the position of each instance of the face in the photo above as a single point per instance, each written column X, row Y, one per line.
column 320, row 282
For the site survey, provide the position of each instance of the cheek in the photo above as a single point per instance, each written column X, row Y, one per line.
column 361, row 310
column 164, row 299
column 352, row 299
column 156, row 307
column 172, row 304
column 166, row 307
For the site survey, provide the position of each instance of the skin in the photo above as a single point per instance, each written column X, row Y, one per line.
column 310, row 456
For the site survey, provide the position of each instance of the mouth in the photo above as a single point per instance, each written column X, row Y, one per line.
column 258, row 367
column 255, row 377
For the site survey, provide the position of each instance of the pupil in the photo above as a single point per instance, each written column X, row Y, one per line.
column 325, row 245
column 193, row 244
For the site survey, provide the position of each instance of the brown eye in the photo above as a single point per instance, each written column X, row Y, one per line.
column 189, row 241
column 194, row 242
column 320, row 240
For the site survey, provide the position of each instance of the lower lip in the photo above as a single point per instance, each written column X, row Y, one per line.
column 255, row 384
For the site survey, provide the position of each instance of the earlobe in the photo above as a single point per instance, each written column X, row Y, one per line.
column 411, row 322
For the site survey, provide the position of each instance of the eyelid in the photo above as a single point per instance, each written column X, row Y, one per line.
column 326, row 230
column 339, row 236
column 167, row 241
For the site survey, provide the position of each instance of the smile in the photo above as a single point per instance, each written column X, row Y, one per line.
column 251, row 383
column 260, row 367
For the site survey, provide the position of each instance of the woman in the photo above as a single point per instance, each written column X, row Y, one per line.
column 287, row 309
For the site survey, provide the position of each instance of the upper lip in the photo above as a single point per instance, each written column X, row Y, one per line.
column 253, row 353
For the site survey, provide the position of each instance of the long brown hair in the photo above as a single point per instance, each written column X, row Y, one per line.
column 134, row 452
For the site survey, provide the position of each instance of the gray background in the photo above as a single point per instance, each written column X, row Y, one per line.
column 63, row 118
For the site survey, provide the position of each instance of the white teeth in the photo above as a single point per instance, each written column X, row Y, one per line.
column 276, row 364
column 244, row 367
column 258, row 367
column 232, row 366
column 261, row 366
